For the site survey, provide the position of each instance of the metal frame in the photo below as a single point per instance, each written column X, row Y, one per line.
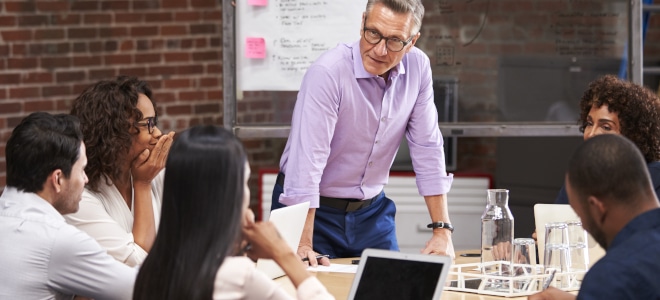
column 447, row 129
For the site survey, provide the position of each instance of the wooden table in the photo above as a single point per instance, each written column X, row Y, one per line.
column 339, row 284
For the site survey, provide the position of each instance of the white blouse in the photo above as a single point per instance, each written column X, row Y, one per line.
column 238, row 278
column 106, row 217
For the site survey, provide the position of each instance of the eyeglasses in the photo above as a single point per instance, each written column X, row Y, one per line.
column 374, row 37
column 150, row 123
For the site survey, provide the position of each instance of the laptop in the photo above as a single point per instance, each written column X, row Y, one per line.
column 546, row 213
column 384, row 274
column 289, row 222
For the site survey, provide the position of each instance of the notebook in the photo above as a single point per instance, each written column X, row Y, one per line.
column 384, row 274
column 289, row 222
column 546, row 213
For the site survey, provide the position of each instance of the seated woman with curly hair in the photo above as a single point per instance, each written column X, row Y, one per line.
column 126, row 153
column 615, row 106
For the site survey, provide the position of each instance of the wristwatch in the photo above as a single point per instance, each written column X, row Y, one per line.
column 445, row 225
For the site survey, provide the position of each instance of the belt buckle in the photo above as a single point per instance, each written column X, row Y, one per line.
column 353, row 206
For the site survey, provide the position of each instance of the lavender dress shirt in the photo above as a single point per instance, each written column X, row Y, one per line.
column 347, row 126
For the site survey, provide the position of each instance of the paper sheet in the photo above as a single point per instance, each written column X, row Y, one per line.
column 338, row 268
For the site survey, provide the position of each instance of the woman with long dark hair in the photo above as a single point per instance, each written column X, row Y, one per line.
column 205, row 210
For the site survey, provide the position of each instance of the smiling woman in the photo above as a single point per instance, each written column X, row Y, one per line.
column 126, row 157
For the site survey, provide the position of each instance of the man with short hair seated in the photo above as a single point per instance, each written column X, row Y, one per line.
column 41, row 256
column 609, row 188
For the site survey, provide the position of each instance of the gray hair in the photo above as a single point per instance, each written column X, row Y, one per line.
column 413, row 7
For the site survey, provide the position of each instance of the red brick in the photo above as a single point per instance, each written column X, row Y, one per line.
column 144, row 31
column 65, row 104
column 103, row 18
column 102, row 74
column 23, row 92
column 159, row 17
column 16, row 35
column 214, row 68
column 187, row 16
column 204, row 3
column 215, row 42
column 32, row 20
column 204, row 28
column 176, row 83
column 127, row 45
column 201, row 42
column 66, row 19
column 7, row 21
column 19, row 49
column 107, row 32
column 167, row 97
column 214, row 15
column 37, row 77
column 142, row 5
column 174, row 3
column 19, row 6
column 41, row 105
column 56, row 90
column 82, row 33
column 3, row 64
column 215, row 95
column 207, row 108
column 190, row 69
column 176, row 56
column 117, row 59
column 115, row 5
column 80, row 47
column 110, row 46
column 22, row 63
column 80, row 61
column 48, row 34
column 52, row 6
column 10, row 79
column 96, row 46
column 129, row 18
column 162, row 71
column 69, row 76
column 134, row 71
column 173, row 30
column 175, row 110
column 207, row 55
column 82, row 5
column 192, row 95
column 55, row 62
column 10, row 108
column 209, row 82
column 144, row 58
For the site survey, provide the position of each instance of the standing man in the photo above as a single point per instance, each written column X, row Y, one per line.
column 356, row 103
column 609, row 187
column 42, row 257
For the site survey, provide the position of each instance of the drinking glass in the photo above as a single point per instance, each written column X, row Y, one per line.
column 578, row 252
column 556, row 255
column 524, row 261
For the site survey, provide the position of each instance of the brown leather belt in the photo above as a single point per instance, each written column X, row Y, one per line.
column 344, row 204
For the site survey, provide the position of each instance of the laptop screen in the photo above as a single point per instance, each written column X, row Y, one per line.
column 390, row 278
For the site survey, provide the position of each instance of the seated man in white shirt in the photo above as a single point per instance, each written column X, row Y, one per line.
column 41, row 256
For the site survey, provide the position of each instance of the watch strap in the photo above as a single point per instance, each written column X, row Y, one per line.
column 444, row 225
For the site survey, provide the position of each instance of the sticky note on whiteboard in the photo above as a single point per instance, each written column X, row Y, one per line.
column 258, row 2
column 255, row 47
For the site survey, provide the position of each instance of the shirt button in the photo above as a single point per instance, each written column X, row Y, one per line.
column 383, row 119
column 362, row 184
column 376, row 142
column 371, row 163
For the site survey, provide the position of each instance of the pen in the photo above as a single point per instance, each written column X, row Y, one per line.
column 547, row 282
column 317, row 257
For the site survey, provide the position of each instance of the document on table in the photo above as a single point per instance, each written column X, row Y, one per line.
column 337, row 268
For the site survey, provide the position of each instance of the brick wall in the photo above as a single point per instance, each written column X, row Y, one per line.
column 50, row 50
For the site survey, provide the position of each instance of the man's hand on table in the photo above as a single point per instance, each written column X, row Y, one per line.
column 440, row 243
column 552, row 294
column 305, row 251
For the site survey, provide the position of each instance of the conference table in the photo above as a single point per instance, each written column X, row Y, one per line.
column 339, row 284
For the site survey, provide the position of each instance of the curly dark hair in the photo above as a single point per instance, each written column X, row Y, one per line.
column 638, row 109
column 107, row 111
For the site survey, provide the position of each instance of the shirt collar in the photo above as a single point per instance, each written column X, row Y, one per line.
column 358, row 67
column 645, row 221
column 12, row 196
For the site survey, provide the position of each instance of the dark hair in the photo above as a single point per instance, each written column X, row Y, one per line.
column 39, row 145
column 611, row 167
column 107, row 111
column 638, row 111
column 413, row 7
column 201, row 215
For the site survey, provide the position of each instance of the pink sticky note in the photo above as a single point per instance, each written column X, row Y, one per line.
column 255, row 47
column 258, row 2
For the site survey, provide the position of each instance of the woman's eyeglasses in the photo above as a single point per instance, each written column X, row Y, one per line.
column 150, row 123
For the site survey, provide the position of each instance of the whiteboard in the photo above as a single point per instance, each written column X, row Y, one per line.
column 294, row 34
